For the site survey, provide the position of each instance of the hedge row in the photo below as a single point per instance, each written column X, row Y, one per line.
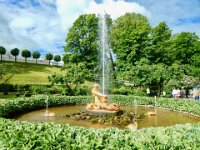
column 26, row 135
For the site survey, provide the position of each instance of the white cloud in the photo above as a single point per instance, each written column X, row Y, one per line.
column 22, row 22
column 70, row 10
column 31, row 27
column 116, row 8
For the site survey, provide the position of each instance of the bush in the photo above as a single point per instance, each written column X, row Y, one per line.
column 38, row 89
column 83, row 90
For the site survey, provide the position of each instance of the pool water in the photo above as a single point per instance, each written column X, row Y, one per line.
column 164, row 117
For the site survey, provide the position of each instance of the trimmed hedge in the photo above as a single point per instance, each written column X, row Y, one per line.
column 25, row 135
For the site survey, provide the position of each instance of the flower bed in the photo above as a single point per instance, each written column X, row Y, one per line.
column 25, row 135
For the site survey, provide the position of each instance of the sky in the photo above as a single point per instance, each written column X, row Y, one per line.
column 42, row 25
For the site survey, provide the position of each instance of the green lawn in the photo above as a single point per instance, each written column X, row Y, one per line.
column 31, row 73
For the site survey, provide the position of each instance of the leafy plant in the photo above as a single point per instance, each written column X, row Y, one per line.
column 25, row 135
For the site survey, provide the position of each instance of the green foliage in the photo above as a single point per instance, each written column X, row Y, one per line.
column 82, row 41
column 75, row 74
column 152, row 57
column 49, row 57
column 26, row 135
column 2, row 51
column 154, row 75
column 15, row 52
column 57, row 58
column 36, row 55
column 129, row 37
column 26, row 54
column 158, row 50
column 4, row 68
column 185, row 46
column 38, row 89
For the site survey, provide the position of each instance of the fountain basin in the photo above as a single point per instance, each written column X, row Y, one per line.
column 164, row 117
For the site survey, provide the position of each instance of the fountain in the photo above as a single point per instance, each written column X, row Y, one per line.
column 153, row 113
column 135, row 106
column 47, row 106
column 100, row 98
column 47, row 113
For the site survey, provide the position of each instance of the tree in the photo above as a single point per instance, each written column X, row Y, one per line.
column 15, row 52
column 7, row 71
column 2, row 51
column 75, row 74
column 26, row 54
column 156, row 75
column 82, row 41
column 129, row 35
column 57, row 58
column 36, row 55
column 49, row 57
column 3, row 70
column 185, row 46
column 159, row 49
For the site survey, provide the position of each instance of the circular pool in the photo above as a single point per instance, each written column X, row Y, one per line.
column 164, row 117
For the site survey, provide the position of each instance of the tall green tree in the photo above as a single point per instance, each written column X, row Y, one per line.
column 129, row 35
column 26, row 54
column 49, row 57
column 36, row 56
column 185, row 46
column 57, row 58
column 186, row 50
column 15, row 53
column 159, row 48
column 75, row 74
column 82, row 41
column 155, row 75
column 2, row 51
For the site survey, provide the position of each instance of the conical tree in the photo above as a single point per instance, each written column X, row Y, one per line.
column 26, row 54
column 15, row 52
column 36, row 55
column 49, row 57
column 2, row 51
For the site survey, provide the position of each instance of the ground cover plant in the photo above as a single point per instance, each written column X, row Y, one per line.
column 25, row 135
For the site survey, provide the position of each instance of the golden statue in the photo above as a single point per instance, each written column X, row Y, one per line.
column 101, row 101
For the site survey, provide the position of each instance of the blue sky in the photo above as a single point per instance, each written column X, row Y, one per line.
column 43, row 24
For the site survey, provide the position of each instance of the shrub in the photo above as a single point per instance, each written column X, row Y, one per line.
column 38, row 89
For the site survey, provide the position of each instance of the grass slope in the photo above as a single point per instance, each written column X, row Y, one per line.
column 28, row 73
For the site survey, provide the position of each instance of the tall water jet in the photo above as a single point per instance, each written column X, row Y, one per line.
column 101, row 102
column 104, row 53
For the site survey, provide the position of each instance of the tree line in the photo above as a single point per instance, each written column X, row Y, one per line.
column 27, row 54
column 146, row 56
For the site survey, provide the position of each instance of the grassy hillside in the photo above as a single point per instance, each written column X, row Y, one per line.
column 28, row 73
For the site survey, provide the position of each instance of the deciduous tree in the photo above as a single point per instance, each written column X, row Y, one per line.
column 26, row 54
column 57, row 58
column 36, row 55
column 49, row 57
column 15, row 53
column 75, row 74
column 2, row 51
column 129, row 35
column 82, row 41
